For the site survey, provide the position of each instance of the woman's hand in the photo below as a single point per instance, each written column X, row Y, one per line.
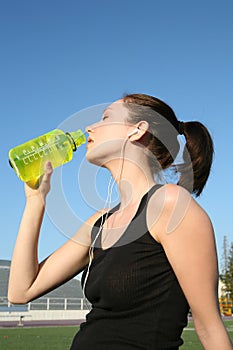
column 41, row 186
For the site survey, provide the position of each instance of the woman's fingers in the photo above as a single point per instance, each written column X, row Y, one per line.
column 40, row 185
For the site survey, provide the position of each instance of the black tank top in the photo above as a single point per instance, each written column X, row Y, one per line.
column 137, row 302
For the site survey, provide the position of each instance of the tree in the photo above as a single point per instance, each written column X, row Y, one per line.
column 225, row 254
column 227, row 272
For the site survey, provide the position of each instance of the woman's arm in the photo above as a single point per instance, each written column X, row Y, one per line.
column 186, row 233
column 30, row 279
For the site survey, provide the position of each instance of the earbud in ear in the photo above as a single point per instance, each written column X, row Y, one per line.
column 135, row 131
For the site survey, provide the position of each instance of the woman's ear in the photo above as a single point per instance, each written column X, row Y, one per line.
column 143, row 126
column 140, row 129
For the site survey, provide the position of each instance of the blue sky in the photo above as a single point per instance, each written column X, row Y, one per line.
column 61, row 58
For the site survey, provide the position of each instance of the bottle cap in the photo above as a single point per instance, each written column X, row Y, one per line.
column 78, row 138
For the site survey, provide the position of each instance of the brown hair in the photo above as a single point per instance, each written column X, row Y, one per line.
column 162, row 140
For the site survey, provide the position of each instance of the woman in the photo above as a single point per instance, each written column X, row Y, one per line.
column 149, row 259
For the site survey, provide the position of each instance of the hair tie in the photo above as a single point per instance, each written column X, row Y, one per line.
column 181, row 128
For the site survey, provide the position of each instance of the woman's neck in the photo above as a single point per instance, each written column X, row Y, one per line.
column 132, row 181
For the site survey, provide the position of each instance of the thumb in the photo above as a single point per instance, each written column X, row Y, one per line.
column 45, row 179
column 48, row 170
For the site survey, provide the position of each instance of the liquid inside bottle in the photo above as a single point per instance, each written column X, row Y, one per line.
column 55, row 146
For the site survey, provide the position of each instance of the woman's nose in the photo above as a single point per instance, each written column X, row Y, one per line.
column 92, row 127
column 89, row 128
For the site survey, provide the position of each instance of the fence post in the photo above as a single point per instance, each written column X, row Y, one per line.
column 65, row 304
column 47, row 303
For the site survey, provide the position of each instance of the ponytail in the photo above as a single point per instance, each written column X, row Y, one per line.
column 163, row 144
column 197, row 157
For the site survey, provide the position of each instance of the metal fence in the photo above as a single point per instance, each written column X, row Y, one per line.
column 45, row 303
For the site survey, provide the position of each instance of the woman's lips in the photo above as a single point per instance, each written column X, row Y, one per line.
column 89, row 140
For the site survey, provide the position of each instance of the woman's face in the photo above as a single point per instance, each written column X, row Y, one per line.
column 107, row 136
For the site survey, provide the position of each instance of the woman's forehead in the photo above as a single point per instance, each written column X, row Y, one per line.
column 117, row 106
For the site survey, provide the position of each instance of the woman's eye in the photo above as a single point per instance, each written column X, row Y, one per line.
column 104, row 117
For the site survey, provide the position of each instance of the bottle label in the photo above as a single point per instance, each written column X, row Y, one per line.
column 33, row 153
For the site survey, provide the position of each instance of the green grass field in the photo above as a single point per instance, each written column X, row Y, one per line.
column 59, row 338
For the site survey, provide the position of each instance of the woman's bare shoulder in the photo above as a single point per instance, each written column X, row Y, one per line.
column 169, row 206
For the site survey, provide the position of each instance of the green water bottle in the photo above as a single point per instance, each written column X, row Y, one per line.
column 56, row 146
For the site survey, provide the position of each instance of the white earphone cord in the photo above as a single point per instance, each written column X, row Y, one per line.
column 106, row 204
